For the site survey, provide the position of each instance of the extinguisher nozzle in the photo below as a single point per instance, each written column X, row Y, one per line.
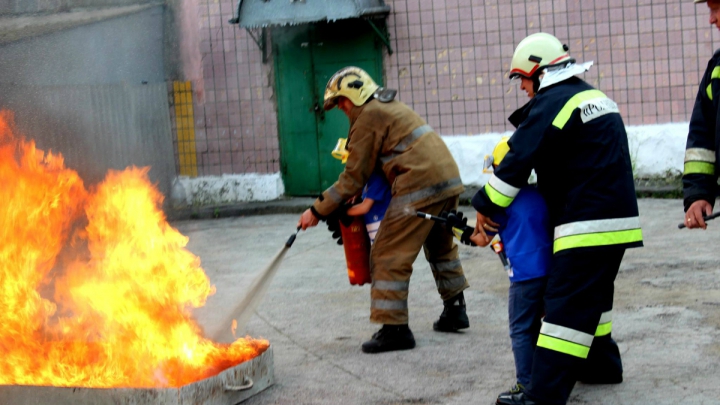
column 428, row 216
column 291, row 240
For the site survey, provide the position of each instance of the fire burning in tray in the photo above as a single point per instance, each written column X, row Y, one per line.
column 96, row 289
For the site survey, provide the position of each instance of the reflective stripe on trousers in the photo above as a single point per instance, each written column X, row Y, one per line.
column 570, row 341
column 449, row 276
column 601, row 232
column 605, row 325
column 397, row 290
column 564, row 340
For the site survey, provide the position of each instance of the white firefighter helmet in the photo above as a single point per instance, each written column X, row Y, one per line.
column 538, row 51
column 351, row 82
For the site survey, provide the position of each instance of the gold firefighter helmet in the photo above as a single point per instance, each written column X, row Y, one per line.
column 351, row 82
column 538, row 51
column 498, row 154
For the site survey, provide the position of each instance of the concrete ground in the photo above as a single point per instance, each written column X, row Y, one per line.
column 666, row 318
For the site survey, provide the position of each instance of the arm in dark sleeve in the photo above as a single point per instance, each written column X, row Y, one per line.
column 699, row 175
column 364, row 143
column 515, row 168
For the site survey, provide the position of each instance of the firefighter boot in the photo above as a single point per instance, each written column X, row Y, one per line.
column 514, row 399
column 389, row 338
column 454, row 316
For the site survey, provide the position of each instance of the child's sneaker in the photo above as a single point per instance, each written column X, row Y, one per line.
column 515, row 389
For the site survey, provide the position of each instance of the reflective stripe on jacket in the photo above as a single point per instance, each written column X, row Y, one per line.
column 391, row 137
column 701, row 151
column 574, row 138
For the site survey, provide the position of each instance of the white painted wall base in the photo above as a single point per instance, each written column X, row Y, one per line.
column 230, row 188
column 656, row 150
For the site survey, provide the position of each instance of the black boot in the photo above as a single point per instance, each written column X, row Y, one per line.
column 454, row 316
column 514, row 399
column 389, row 338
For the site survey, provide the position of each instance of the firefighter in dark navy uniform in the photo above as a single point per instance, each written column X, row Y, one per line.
column 572, row 135
column 700, row 176
column 388, row 137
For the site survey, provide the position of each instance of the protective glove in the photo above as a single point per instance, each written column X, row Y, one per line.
column 333, row 221
column 456, row 223
column 454, row 219
column 465, row 236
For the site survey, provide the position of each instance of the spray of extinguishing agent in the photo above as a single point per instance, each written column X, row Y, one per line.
column 466, row 230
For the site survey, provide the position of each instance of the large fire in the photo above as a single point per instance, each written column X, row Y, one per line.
column 96, row 289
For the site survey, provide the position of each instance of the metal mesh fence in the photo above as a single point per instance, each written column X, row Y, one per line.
column 453, row 56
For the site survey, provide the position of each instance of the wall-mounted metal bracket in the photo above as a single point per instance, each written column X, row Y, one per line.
column 260, row 38
column 259, row 35
column 384, row 37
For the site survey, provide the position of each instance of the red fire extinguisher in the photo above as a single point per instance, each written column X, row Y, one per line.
column 357, row 251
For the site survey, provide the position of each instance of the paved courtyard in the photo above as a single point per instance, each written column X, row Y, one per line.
column 666, row 318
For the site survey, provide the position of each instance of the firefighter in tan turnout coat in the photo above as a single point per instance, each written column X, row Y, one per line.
column 389, row 137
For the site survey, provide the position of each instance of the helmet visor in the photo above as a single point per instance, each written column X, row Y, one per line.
column 488, row 164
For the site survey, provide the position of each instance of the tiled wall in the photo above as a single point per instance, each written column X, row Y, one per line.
column 235, row 116
column 451, row 61
column 453, row 56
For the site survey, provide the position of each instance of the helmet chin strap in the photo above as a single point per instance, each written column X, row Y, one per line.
column 536, row 80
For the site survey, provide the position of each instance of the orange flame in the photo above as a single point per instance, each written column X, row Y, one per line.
column 96, row 289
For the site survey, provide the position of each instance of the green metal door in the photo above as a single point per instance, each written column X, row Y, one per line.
column 305, row 58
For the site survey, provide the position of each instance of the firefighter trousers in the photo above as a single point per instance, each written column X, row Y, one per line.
column 574, row 341
column 397, row 244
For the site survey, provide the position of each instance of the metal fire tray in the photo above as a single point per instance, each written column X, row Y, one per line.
column 231, row 386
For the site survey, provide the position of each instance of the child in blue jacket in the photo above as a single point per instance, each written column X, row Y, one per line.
column 376, row 195
column 525, row 232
